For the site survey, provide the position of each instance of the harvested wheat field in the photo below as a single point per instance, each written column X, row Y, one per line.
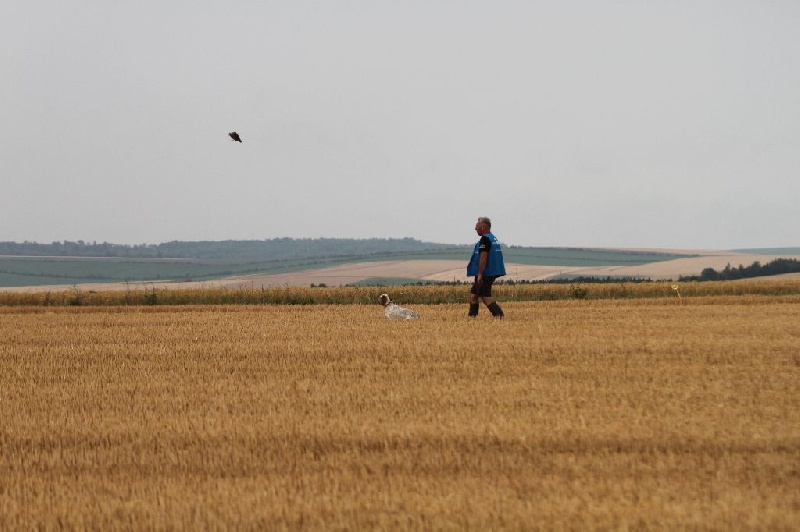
column 655, row 413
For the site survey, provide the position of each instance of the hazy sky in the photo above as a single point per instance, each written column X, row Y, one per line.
column 671, row 124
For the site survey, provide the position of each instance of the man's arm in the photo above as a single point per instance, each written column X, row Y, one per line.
column 484, row 256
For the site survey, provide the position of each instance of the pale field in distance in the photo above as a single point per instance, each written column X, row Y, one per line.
column 653, row 413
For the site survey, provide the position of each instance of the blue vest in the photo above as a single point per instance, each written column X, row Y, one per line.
column 494, row 262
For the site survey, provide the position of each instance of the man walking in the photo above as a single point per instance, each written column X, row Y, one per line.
column 486, row 264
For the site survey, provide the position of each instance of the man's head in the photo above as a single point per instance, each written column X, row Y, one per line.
column 483, row 226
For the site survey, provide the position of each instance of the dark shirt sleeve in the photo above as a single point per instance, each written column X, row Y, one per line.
column 486, row 244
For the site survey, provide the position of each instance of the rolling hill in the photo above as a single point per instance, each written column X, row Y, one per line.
column 334, row 262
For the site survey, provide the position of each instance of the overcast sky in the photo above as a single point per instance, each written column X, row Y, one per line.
column 668, row 124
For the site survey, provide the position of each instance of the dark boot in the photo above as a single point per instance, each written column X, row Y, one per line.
column 495, row 309
column 473, row 310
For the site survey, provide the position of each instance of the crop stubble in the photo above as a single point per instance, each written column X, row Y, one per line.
column 565, row 414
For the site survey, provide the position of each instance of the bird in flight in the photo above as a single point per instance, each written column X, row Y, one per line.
column 234, row 136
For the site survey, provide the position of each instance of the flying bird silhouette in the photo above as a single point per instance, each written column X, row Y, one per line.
column 234, row 136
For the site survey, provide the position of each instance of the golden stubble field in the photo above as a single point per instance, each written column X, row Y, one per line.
column 567, row 414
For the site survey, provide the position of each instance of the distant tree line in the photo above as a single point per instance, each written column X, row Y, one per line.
column 776, row 267
column 271, row 249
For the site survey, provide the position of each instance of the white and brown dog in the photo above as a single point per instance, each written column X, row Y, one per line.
column 396, row 312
